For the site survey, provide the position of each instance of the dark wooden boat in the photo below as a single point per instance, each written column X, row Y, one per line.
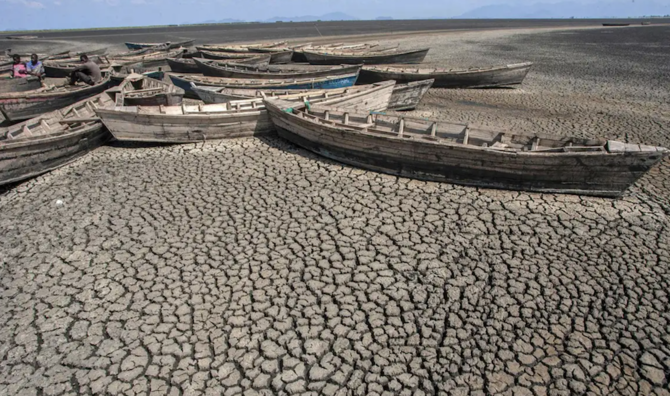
column 214, row 69
column 140, row 90
column 50, row 141
column 616, row 24
column 408, row 96
column 243, row 48
column 197, row 123
column 168, row 45
column 64, row 69
column 445, row 78
column 183, row 66
column 454, row 153
column 404, row 97
column 24, row 105
column 184, row 81
column 368, row 58
column 278, row 56
column 8, row 85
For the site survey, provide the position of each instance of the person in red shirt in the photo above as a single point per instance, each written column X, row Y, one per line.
column 18, row 68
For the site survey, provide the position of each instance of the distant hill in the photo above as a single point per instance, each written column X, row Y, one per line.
column 568, row 9
column 384, row 18
column 333, row 16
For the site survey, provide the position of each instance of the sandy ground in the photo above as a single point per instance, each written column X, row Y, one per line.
column 252, row 266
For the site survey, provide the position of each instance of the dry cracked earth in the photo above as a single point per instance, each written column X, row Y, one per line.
column 251, row 266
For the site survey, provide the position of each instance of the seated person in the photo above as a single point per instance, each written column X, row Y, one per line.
column 88, row 72
column 35, row 67
column 18, row 68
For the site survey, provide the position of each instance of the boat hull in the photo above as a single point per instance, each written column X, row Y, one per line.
column 408, row 57
column 213, row 70
column 407, row 96
column 26, row 159
column 19, row 84
column 607, row 175
column 25, row 107
column 343, row 82
column 494, row 77
column 182, row 67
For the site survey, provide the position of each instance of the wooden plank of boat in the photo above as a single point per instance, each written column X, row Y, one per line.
column 368, row 58
column 405, row 96
column 24, row 105
column 50, row 141
column 8, row 85
column 186, row 124
column 184, row 82
column 214, row 69
column 455, row 153
column 408, row 96
column 494, row 76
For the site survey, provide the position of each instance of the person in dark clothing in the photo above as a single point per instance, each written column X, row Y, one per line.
column 88, row 72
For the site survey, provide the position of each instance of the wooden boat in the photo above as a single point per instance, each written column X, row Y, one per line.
column 278, row 55
column 616, row 24
column 237, row 58
column 408, row 96
column 368, row 58
column 299, row 55
column 148, row 60
column 50, row 141
column 214, row 69
column 8, row 85
column 169, row 45
column 25, row 105
column 445, row 78
column 63, row 69
column 184, row 81
column 454, row 153
column 404, row 97
column 140, row 90
column 185, row 124
column 243, row 48
column 183, row 66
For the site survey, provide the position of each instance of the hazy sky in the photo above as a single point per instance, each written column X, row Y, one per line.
column 48, row 14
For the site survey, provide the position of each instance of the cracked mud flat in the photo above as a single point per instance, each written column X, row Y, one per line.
column 251, row 266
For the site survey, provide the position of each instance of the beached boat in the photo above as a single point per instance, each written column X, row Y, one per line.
column 22, row 37
column 278, row 55
column 25, row 105
column 243, row 48
column 169, row 45
column 365, row 57
column 404, row 97
column 59, row 69
column 184, row 81
column 455, row 153
column 148, row 60
column 214, row 69
column 299, row 56
column 183, row 66
column 50, row 141
column 237, row 58
column 8, row 85
column 450, row 78
column 140, row 90
column 197, row 123
column 616, row 24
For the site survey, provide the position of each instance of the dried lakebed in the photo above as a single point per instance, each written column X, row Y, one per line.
column 251, row 266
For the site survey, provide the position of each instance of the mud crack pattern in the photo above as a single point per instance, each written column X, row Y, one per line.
column 253, row 267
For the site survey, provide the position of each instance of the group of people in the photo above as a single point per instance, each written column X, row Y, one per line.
column 88, row 72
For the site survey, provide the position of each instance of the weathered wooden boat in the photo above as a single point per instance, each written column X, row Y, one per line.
column 237, row 58
column 242, row 48
column 185, row 124
column 278, row 55
column 184, row 81
column 8, row 85
column 494, row 76
column 455, row 153
column 616, row 24
column 140, row 90
column 64, row 69
column 24, row 105
column 169, row 45
column 148, row 60
column 368, row 58
column 50, row 141
column 144, row 51
column 408, row 96
column 215, row 69
column 299, row 56
column 404, row 97
column 183, row 66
